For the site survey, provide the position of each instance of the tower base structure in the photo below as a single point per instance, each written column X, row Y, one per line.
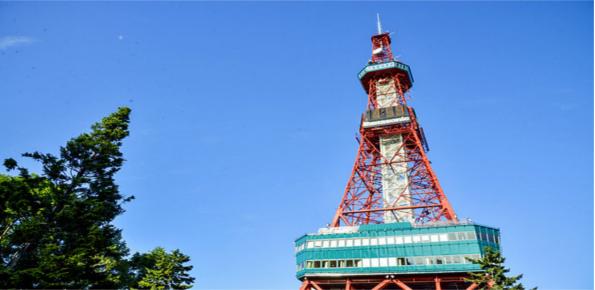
column 438, row 281
column 393, row 255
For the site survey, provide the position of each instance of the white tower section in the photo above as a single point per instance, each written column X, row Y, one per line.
column 395, row 178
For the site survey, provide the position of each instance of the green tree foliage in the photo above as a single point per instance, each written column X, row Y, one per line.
column 494, row 277
column 165, row 270
column 55, row 229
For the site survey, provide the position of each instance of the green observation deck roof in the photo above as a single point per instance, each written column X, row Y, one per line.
column 398, row 68
column 393, row 248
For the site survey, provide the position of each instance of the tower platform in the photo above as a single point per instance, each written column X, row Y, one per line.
column 393, row 249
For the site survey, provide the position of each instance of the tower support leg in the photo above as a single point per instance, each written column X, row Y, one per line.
column 402, row 285
column 315, row 285
column 305, row 285
column 382, row 285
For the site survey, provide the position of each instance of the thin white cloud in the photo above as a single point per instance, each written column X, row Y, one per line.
column 9, row 41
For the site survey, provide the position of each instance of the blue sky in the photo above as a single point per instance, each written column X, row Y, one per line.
column 244, row 116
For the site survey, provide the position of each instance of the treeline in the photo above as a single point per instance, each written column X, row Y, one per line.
column 55, row 227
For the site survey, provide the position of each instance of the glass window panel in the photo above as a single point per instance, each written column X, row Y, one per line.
column 365, row 242
column 309, row 265
column 425, row 238
column 325, row 244
column 443, row 237
column 490, row 238
column 483, row 237
column 317, row 264
column 416, row 239
column 342, row 264
column 383, row 262
column 382, row 241
column 410, row 261
column 390, row 240
column 357, row 263
column 439, row 260
column 318, row 244
column 429, row 261
column 497, row 239
column 475, row 256
column 434, row 238
column 401, row 261
column 447, row 260
column 470, row 235
column 341, row 243
column 374, row 262
column 419, row 261
column 349, row 263
column 333, row 243
column 392, row 262
column 407, row 239
column 357, row 242
column 349, row 243
column 310, row 245
column 333, row 263
column 456, row 259
column 324, row 264
column 452, row 236
column 398, row 240
column 373, row 241
column 465, row 261
column 366, row 263
column 462, row 236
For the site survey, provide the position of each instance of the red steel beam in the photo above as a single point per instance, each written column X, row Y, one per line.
column 304, row 285
column 315, row 285
column 402, row 285
column 381, row 285
column 393, row 208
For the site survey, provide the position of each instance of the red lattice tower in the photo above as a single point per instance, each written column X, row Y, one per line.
column 390, row 157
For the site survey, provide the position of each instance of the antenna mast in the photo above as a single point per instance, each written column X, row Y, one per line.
column 379, row 26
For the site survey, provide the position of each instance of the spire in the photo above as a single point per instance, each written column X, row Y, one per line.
column 381, row 45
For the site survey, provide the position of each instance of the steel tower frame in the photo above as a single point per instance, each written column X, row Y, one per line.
column 416, row 196
column 423, row 197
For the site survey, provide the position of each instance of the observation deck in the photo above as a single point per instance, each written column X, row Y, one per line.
column 393, row 248
column 398, row 68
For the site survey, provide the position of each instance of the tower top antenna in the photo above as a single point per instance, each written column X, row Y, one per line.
column 379, row 26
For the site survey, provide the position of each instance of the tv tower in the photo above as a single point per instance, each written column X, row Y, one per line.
column 394, row 227
column 392, row 179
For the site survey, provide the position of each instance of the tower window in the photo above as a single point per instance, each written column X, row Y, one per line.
column 470, row 235
column 434, row 238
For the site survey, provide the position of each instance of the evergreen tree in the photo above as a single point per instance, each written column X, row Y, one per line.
column 55, row 229
column 493, row 277
column 166, row 270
